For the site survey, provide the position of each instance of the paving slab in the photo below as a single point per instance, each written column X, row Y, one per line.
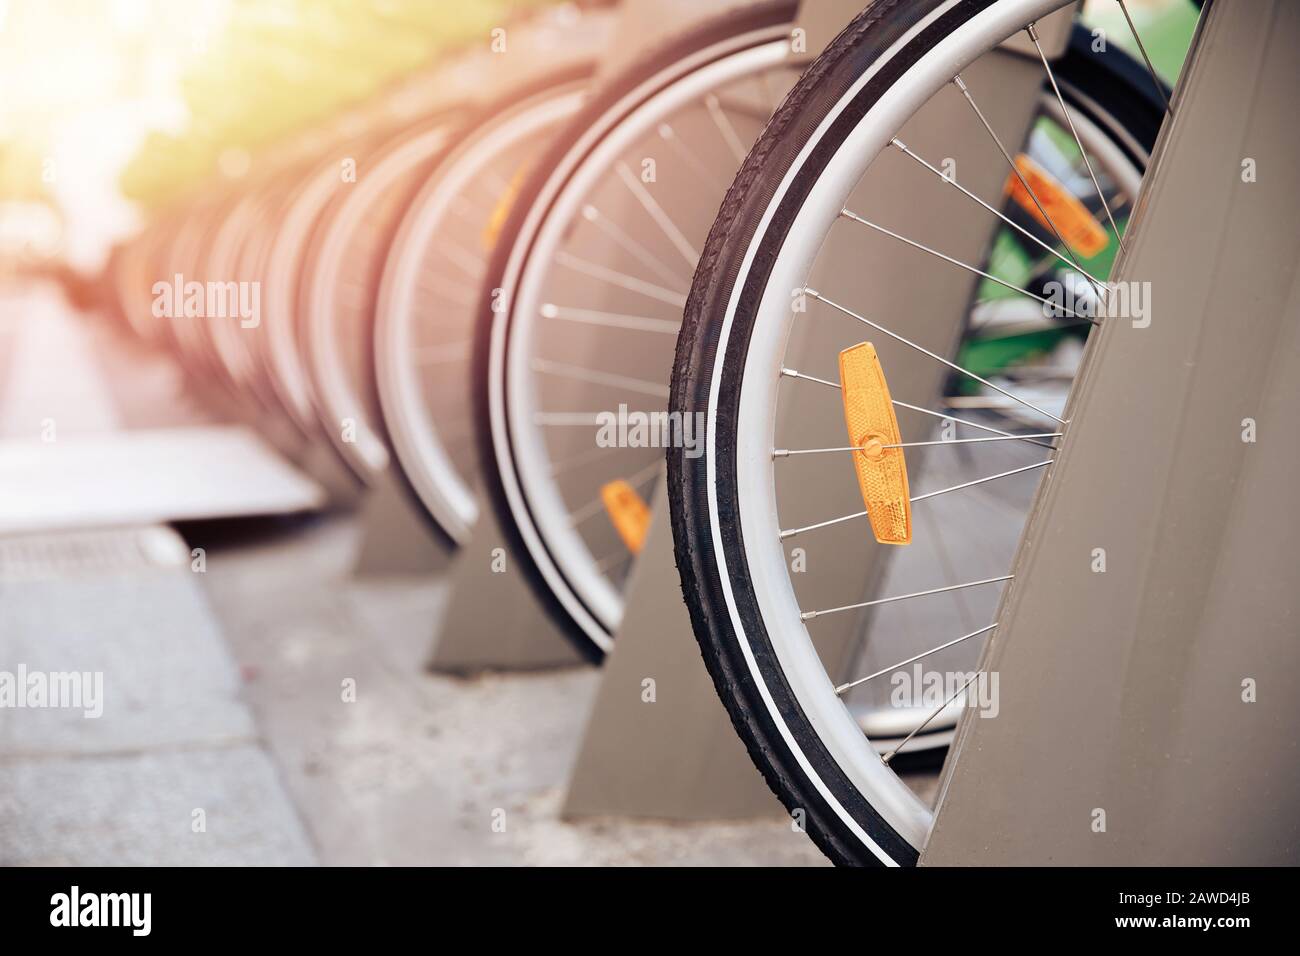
column 138, row 810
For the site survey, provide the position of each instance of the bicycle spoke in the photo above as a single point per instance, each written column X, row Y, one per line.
column 810, row 615
column 911, row 660
column 725, row 128
column 849, row 214
column 621, row 279
column 792, row 373
column 628, row 244
column 997, row 140
column 565, row 419
column 1033, row 35
column 980, row 481
column 938, row 358
column 580, row 374
column 597, row 504
column 448, row 289
column 469, row 263
column 1155, row 78
column 585, row 458
column 790, row 533
column 592, row 508
column 788, row 452
column 669, row 136
column 610, row 320
column 656, row 212
column 925, row 723
column 1006, row 219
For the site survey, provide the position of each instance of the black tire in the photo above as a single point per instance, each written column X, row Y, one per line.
column 597, row 113
column 1109, row 82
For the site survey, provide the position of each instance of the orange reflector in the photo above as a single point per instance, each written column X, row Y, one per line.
column 882, row 472
column 1079, row 227
column 628, row 512
column 501, row 211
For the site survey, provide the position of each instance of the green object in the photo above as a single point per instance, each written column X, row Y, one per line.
column 281, row 66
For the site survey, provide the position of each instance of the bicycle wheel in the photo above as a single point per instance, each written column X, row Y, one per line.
column 839, row 140
column 584, row 296
column 234, row 248
column 427, row 300
column 283, row 262
column 341, row 272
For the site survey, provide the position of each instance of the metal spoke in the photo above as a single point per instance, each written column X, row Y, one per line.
column 628, row 244
column 938, row 358
column 929, row 494
column 912, row 660
column 809, row 615
column 997, row 140
column 1006, row 219
column 724, row 127
column 469, row 263
column 565, row 419
column 792, row 373
column 584, row 458
column 1033, row 35
column 787, row 452
column 587, row 511
column 656, row 212
column 849, row 214
column 610, row 320
column 669, row 136
column 970, row 424
column 444, row 288
column 923, row 724
column 980, row 481
column 621, row 279
column 620, row 556
column 1155, row 78
column 594, row 506
column 580, row 374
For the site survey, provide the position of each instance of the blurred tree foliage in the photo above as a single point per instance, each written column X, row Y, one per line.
column 277, row 66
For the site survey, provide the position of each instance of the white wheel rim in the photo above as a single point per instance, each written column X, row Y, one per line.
column 798, row 660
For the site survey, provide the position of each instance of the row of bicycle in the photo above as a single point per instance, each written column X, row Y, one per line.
column 477, row 283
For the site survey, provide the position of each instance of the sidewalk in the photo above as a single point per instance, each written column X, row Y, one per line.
column 223, row 692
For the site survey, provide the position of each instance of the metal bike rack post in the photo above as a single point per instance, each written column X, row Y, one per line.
column 395, row 535
column 677, row 756
column 1172, row 671
column 494, row 620
column 658, row 742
